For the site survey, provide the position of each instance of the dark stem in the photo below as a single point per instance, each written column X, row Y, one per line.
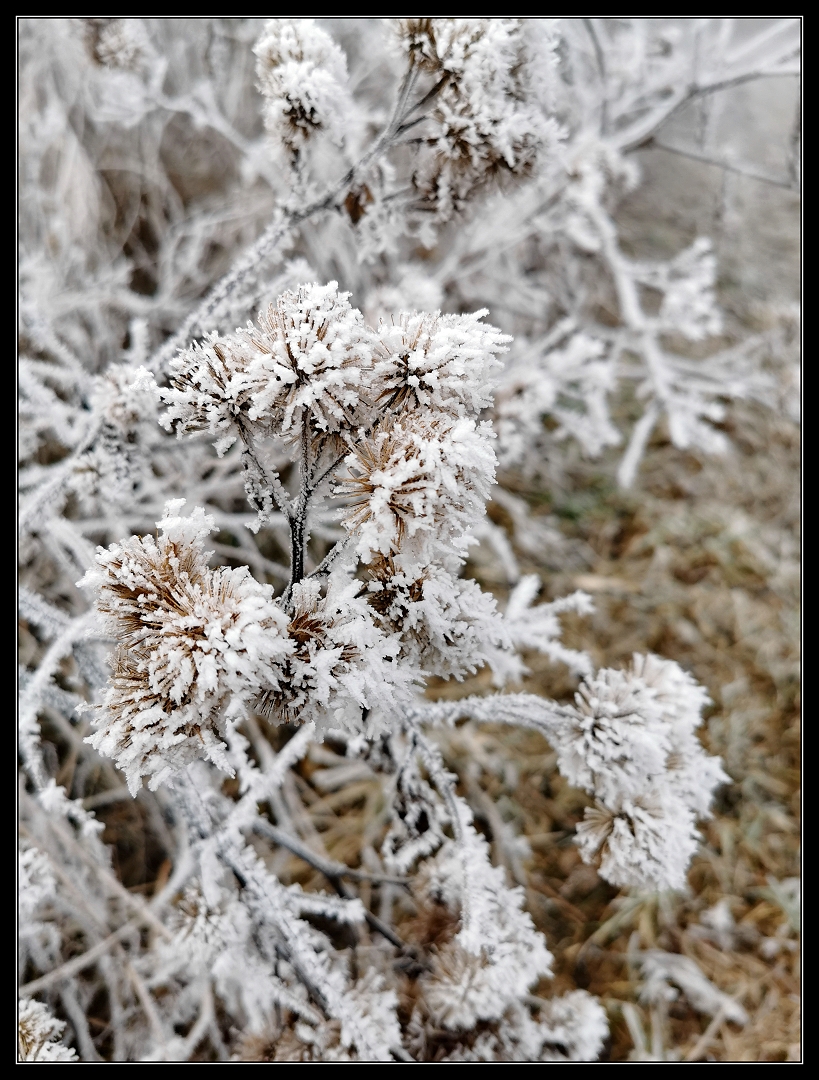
column 297, row 532
column 298, row 519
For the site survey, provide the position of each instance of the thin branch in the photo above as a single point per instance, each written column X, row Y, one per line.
column 627, row 468
column 234, row 864
column 410, row 124
column 277, row 489
column 76, row 1015
column 316, row 481
column 427, row 98
column 699, row 1048
column 375, row 923
column 147, row 1003
column 331, row 556
column 330, row 869
column 635, row 140
column 80, row 963
column 706, row 160
column 59, row 478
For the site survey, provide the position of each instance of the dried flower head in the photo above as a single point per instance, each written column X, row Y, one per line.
column 190, row 640
column 305, row 362
column 210, row 388
column 447, row 625
column 631, row 743
column 118, row 44
column 424, row 477
column 303, row 76
column 438, row 361
column 485, row 122
column 317, row 660
column 340, row 666
column 619, row 739
column 38, row 1034
column 647, row 844
column 313, row 352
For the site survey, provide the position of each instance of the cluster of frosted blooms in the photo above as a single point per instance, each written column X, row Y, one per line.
column 38, row 1034
column 403, row 397
column 631, row 743
column 197, row 646
column 302, row 76
column 312, row 358
column 486, row 119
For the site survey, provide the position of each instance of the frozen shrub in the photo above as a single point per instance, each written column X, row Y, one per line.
column 301, row 293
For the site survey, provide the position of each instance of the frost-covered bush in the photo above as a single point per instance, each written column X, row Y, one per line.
column 254, row 307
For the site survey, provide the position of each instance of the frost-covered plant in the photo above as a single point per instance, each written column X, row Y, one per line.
column 186, row 344
column 38, row 1034
column 631, row 744
column 191, row 640
column 303, row 76
column 341, row 653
